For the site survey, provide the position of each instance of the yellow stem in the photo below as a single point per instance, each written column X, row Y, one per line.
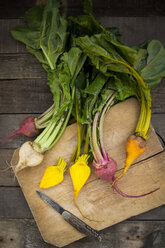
column 146, row 125
column 79, row 133
column 145, row 112
column 144, row 115
column 86, row 143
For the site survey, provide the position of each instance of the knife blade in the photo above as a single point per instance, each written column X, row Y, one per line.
column 78, row 224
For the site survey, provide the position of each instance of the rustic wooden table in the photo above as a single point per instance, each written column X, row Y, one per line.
column 23, row 92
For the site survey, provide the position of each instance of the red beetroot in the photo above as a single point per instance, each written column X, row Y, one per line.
column 106, row 170
column 27, row 128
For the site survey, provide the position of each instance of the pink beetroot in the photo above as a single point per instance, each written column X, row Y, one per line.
column 106, row 170
column 27, row 128
column 31, row 126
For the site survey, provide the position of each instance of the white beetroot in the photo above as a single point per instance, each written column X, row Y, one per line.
column 26, row 156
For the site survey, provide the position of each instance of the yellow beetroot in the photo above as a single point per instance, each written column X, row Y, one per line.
column 79, row 172
column 135, row 146
column 54, row 174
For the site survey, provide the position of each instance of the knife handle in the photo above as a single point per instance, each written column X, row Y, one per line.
column 80, row 225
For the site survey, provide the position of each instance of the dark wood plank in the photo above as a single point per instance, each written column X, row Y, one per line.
column 25, row 96
column 134, row 30
column 158, row 121
column 15, row 9
column 17, row 66
column 24, row 233
column 158, row 98
column 20, row 234
column 13, row 203
column 7, row 177
column 7, row 42
column 129, row 8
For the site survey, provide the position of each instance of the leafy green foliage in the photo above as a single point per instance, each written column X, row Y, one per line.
column 53, row 33
column 101, row 53
column 46, row 33
column 33, row 17
column 62, row 79
column 154, row 69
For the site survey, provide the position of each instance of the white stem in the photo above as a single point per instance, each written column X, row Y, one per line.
column 101, row 124
column 96, row 149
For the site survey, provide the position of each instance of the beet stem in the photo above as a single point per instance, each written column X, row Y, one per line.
column 108, row 104
column 96, row 149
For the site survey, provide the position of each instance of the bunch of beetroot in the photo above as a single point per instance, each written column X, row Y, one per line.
column 89, row 70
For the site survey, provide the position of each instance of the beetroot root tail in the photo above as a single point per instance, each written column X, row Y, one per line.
column 114, row 186
column 11, row 135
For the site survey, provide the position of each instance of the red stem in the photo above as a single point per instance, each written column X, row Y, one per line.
column 11, row 135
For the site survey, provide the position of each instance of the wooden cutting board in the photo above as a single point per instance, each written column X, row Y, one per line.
column 97, row 200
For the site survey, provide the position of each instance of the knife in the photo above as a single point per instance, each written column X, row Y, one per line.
column 71, row 218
